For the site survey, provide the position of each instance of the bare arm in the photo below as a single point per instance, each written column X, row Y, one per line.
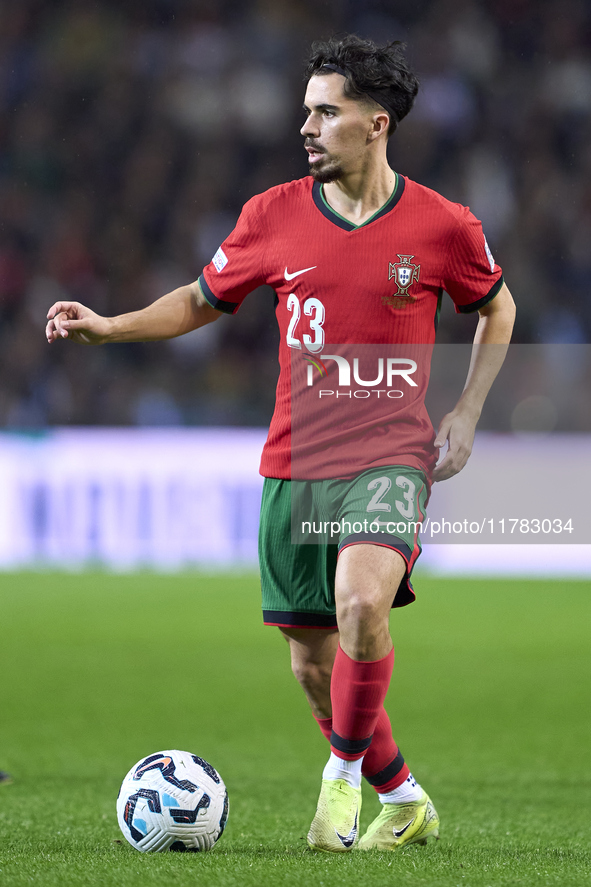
column 491, row 341
column 178, row 312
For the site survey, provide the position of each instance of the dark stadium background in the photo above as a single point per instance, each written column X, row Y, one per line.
column 131, row 133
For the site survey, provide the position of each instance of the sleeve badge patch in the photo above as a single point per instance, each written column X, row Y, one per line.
column 489, row 256
column 220, row 260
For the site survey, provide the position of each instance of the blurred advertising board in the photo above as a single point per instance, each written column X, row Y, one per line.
column 130, row 498
column 170, row 499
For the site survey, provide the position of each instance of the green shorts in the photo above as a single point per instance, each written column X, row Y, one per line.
column 305, row 524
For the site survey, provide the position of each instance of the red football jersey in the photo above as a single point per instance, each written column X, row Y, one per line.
column 339, row 285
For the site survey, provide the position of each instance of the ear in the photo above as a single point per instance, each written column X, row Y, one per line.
column 379, row 125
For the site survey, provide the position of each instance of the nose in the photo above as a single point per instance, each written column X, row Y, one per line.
column 310, row 127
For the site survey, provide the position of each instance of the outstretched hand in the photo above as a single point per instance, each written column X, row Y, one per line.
column 458, row 429
column 71, row 320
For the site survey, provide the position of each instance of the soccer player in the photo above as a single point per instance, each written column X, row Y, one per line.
column 358, row 255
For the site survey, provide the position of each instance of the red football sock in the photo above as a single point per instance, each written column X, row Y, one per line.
column 325, row 725
column 357, row 692
column 383, row 764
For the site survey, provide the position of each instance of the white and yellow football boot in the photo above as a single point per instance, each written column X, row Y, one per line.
column 400, row 824
column 335, row 828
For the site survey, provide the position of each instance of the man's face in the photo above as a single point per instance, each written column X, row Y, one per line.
column 336, row 129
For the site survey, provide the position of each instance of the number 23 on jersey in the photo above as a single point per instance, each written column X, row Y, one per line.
column 314, row 309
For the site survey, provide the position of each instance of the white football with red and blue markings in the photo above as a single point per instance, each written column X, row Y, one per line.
column 172, row 800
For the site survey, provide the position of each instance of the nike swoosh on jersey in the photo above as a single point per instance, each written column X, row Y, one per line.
column 398, row 832
column 289, row 276
column 350, row 839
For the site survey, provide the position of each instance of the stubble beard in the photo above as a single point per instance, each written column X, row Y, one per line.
column 324, row 171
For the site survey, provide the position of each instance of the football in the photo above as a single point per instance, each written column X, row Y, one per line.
column 172, row 800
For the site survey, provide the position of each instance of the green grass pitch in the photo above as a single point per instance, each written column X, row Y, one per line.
column 489, row 704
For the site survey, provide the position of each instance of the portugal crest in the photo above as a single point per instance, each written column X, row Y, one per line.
column 404, row 273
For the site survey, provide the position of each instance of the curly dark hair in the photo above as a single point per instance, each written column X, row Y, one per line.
column 373, row 73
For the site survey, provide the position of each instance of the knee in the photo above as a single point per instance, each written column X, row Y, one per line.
column 364, row 625
column 360, row 607
column 312, row 657
column 309, row 674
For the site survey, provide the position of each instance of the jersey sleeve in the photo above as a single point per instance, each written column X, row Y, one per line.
column 471, row 276
column 238, row 266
